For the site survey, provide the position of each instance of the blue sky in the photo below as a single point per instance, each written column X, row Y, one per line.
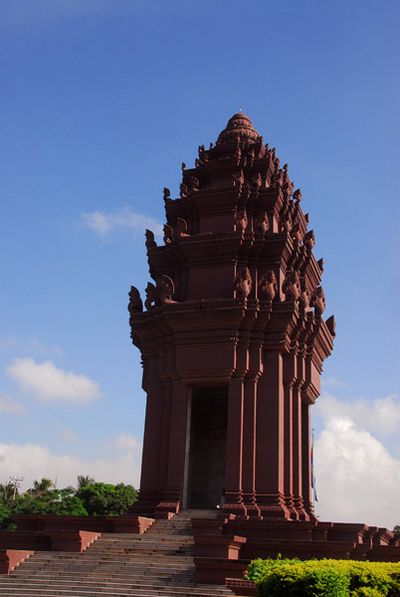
column 100, row 103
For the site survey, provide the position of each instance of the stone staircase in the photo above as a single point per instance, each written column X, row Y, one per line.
column 158, row 563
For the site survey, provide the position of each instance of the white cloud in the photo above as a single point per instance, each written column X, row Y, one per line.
column 127, row 442
column 34, row 461
column 10, row 406
column 104, row 223
column 66, row 433
column 52, row 384
column 32, row 346
column 333, row 382
column 380, row 416
column 358, row 480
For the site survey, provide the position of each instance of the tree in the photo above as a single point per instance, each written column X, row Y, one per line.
column 41, row 487
column 396, row 531
column 102, row 499
column 84, row 481
column 7, row 492
column 42, row 498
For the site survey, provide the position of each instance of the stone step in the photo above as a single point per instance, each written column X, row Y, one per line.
column 83, row 582
column 26, row 590
column 114, row 578
column 139, row 560
column 156, row 564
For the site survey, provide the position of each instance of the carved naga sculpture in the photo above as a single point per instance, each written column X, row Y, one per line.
column 194, row 184
column 262, row 223
column 165, row 289
column 305, row 299
column 151, row 296
column 291, row 285
column 256, row 181
column 241, row 220
column 183, row 190
column 160, row 294
column 331, row 325
column 166, row 194
column 168, row 234
column 135, row 304
column 297, row 196
column 268, row 286
column 180, row 228
column 150, row 242
column 296, row 233
column 318, row 300
column 309, row 240
column 243, row 283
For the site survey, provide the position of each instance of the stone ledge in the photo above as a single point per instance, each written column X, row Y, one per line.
column 128, row 523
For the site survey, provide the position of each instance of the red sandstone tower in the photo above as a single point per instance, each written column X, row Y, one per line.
column 232, row 338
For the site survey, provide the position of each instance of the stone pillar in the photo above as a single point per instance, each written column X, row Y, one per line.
column 172, row 496
column 234, row 449
column 306, row 456
column 249, row 447
column 270, row 455
column 290, row 369
column 297, row 453
column 150, row 488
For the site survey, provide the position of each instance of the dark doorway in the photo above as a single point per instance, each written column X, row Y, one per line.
column 206, row 479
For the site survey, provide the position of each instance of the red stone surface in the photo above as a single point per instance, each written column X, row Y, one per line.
column 11, row 558
column 237, row 304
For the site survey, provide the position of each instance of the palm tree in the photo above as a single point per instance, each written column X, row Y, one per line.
column 84, row 481
column 41, row 487
column 7, row 492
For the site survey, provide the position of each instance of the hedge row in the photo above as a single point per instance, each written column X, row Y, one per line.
column 325, row 578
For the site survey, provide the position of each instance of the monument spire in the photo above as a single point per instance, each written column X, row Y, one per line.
column 233, row 337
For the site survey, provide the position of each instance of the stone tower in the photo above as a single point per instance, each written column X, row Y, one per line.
column 232, row 338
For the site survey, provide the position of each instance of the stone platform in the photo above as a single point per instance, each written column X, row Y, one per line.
column 157, row 563
column 224, row 546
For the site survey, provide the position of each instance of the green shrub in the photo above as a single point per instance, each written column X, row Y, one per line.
column 325, row 578
column 260, row 568
column 369, row 575
column 304, row 579
column 366, row 592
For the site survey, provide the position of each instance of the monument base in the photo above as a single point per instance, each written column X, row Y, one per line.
column 232, row 542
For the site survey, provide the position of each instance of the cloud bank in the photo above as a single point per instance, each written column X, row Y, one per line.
column 34, row 461
column 104, row 223
column 358, row 479
column 52, row 384
column 10, row 406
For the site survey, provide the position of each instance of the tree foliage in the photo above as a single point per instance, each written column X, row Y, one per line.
column 90, row 498
column 103, row 498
